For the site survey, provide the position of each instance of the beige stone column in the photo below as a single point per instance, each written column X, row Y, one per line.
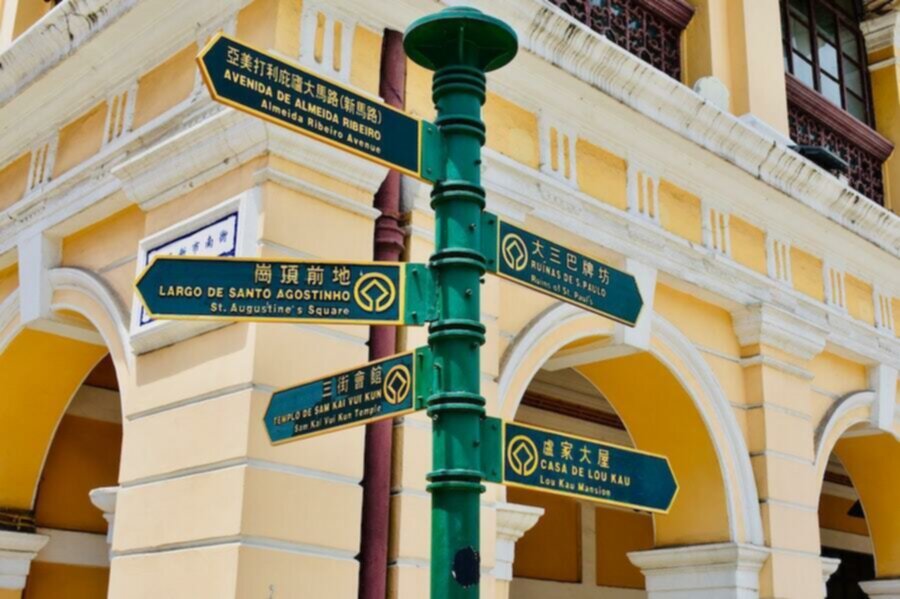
column 776, row 347
column 17, row 550
column 716, row 571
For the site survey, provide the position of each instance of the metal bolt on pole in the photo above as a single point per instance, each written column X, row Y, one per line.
column 460, row 44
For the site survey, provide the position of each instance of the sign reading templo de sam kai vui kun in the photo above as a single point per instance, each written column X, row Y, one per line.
column 268, row 87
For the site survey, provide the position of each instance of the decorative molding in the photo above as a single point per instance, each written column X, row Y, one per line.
column 104, row 499
column 829, row 567
column 883, row 588
column 74, row 548
column 882, row 32
column 717, row 571
column 766, row 324
column 883, row 381
column 513, row 521
column 838, row 119
column 17, row 550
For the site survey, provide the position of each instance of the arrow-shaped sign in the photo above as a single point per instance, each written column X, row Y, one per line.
column 279, row 290
column 536, row 458
column 560, row 272
column 289, row 95
column 385, row 388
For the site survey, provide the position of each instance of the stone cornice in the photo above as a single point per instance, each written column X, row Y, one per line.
column 560, row 40
column 882, row 32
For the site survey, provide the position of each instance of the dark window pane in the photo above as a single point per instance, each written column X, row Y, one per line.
column 800, row 5
column 847, row 6
column 849, row 43
column 800, row 38
column 828, row 57
column 853, row 79
column 803, row 71
column 856, row 107
column 831, row 89
column 826, row 24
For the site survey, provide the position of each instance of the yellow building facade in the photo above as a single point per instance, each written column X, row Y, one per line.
column 133, row 458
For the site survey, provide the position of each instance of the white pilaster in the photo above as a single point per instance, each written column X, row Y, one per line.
column 883, row 380
column 17, row 550
column 888, row 588
column 513, row 521
column 718, row 571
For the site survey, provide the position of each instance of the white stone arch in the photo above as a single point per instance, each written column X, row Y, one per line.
column 562, row 324
column 851, row 410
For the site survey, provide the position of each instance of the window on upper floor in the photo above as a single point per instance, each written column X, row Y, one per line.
column 824, row 49
column 649, row 29
column 828, row 90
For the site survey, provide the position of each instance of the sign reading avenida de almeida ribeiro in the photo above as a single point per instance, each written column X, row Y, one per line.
column 321, row 291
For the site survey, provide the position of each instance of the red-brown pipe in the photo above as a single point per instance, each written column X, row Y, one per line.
column 389, row 246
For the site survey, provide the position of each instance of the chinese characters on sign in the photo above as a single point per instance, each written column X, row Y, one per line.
column 565, row 274
column 568, row 465
column 381, row 389
column 261, row 290
column 294, row 97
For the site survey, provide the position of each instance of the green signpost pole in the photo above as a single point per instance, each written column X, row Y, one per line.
column 460, row 45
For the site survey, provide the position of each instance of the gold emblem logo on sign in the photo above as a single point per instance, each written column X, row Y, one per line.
column 396, row 384
column 522, row 455
column 515, row 252
column 374, row 292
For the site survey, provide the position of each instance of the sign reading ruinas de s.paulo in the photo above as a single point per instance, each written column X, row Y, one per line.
column 289, row 95
column 553, row 269
column 385, row 388
column 545, row 460
column 279, row 290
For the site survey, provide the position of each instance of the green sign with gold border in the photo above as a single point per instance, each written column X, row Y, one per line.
column 268, row 87
column 280, row 290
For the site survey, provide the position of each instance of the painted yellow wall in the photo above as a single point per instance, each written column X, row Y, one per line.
column 271, row 24
column 512, row 130
column 707, row 51
column 57, row 581
column 860, row 301
column 10, row 594
column 80, row 139
column 9, row 280
column 886, row 99
column 28, row 12
column 704, row 323
column 165, row 86
column 365, row 70
column 418, row 91
column 601, row 174
column 662, row 418
column 41, row 373
column 833, row 516
column 838, row 375
column 13, row 179
column 806, row 272
column 617, row 533
column 679, row 212
column 552, row 549
column 748, row 244
column 84, row 456
column 872, row 462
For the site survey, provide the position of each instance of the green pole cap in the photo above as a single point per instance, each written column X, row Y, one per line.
column 460, row 35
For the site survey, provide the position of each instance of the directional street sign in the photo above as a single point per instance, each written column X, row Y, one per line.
column 281, row 290
column 554, row 462
column 289, row 95
column 553, row 269
column 385, row 388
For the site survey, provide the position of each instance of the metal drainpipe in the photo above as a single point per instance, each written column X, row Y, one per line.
column 389, row 246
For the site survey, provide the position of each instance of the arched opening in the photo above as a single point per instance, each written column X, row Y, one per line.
column 83, row 456
column 61, row 436
column 661, row 401
column 858, row 515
